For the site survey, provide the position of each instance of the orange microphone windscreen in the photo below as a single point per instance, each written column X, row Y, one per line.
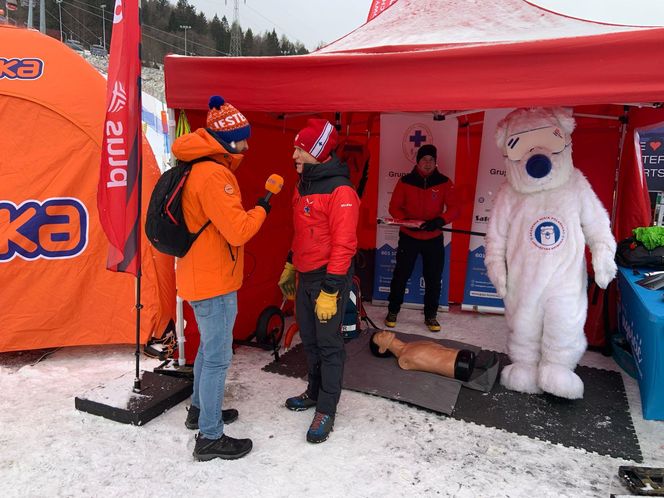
column 274, row 184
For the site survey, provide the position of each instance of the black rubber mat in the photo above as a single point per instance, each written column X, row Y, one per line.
column 382, row 376
column 600, row 422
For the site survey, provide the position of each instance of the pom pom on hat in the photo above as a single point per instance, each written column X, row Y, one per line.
column 226, row 121
column 216, row 102
column 318, row 138
column 427, row 150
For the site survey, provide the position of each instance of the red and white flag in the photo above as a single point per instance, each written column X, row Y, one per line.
column 118, row 189
column 378, row 6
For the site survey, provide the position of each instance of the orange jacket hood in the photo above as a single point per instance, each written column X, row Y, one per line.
column 201, row 144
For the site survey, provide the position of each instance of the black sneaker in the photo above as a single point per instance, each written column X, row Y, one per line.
column 162, row 348
column 432, row 324
column 391, row 320
column 320, row 428
column 300, row 403
column 225, row 447
column 227, row 416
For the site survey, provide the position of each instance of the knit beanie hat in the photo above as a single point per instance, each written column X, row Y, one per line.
column 229, row 124
column 318, row 138
column 427, row 150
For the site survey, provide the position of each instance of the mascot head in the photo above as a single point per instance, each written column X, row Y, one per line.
column 537, row 146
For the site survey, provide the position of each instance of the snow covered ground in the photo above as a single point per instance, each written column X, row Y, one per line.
column 378, row 448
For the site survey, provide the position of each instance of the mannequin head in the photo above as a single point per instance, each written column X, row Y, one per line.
column 379, row 343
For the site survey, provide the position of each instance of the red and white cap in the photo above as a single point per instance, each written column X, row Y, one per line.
column 318, row 138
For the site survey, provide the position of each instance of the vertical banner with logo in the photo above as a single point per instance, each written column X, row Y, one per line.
column 650, row 142
column 118, row 189
column 479, row 293
column 401, row 135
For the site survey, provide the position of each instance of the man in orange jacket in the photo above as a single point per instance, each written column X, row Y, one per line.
column 210, row 274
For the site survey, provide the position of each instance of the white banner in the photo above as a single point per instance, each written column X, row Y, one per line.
column 401, row 135
column 155, row 127
column 479, row 293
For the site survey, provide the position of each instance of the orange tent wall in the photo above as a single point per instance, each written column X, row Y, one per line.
column 50, row 142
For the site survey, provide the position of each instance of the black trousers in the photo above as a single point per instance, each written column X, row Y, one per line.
column 323, row 343
column 433, row 261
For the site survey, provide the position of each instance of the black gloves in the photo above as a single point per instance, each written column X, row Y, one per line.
column 264, row 204
column 433, row 224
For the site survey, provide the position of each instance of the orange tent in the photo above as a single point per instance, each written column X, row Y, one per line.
column 56, row 290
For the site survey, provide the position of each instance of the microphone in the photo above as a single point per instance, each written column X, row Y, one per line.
column 273, row 185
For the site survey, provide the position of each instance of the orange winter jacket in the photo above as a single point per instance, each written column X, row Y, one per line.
column 215, row 263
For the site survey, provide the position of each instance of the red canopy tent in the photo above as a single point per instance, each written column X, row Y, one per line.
column 439, row 56
column 422, row 55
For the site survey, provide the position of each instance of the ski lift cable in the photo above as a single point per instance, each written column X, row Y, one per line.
column 270, row 21
column 79, row 22
column 71, row 3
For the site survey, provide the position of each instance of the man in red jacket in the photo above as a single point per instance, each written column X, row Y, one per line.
column 423, row 194
column 325, row 213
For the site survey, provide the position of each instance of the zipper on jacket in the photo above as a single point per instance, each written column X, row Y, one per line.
column 233, row 256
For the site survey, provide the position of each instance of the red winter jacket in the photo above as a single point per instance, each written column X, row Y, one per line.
column 418, row 197
column 325, row 213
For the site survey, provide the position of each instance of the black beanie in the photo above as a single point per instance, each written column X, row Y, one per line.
column 427, row 150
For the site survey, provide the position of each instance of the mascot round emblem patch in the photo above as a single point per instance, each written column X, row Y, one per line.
column 547, row 233
column 229, row 189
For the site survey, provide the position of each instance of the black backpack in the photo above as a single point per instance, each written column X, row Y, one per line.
column 164, row 224
column 631, row 253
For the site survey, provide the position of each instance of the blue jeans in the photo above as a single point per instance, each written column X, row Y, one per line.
column 215, row 318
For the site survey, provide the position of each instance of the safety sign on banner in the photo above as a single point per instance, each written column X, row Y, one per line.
column 479, row 293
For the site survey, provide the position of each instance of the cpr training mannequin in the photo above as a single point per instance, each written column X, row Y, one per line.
column 541, row 220
column 425, row 356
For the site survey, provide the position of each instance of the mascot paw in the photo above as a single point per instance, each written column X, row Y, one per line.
column 499, row 281
column 604, row 265
column 520, row 377
column 605, row 272
column 560, row 381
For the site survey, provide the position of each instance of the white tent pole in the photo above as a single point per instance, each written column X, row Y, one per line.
column 598, row 116
column 179, row 331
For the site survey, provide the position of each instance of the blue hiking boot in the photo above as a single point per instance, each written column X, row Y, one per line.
column 320, row 428
column 300, row 403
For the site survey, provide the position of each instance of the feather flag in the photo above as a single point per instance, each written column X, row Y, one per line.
column 118, row 192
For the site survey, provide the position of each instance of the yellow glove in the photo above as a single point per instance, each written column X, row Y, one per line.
column 287, row 281
column 326, row 305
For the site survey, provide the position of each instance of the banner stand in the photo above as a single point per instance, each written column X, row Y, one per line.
column 401, row 135
column 152, row 393
column 479, row 293
column 482, row 309
column 112, row 401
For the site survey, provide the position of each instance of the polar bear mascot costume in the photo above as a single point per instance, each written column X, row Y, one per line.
column 542, row 218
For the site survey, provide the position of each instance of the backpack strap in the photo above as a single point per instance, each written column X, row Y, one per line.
column 192, row 162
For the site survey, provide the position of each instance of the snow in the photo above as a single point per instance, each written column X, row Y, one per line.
column 378, row 448
column 463, row 22
column 152, row 79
